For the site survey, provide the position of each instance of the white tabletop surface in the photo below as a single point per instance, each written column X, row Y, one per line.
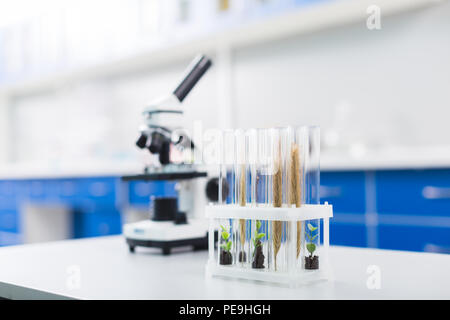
column 102, row 268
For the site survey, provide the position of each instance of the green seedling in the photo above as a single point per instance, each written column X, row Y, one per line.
column 258, row 236
column 311, row 247
column 226, row 236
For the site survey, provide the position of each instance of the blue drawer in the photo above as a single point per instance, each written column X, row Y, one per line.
column 10, row 238
column 9, row 221
column 97, row 223
column 41, row 190
column 8, row 195
column 421, row 192
column 69, row 191
column 140, row 191
column 412, row 238
column 8, row 202
column 100, row 191
column 345, row 234
column 344, row 190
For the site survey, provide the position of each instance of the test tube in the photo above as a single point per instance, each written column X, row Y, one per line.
column 226, row 230
column 226, row 174
column 226, row 243
column 243, row 195
column 311, row 228
column 278, row 229
column 260, row 228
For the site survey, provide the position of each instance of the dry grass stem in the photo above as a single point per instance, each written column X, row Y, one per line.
column 277, row 202
column 295, row 191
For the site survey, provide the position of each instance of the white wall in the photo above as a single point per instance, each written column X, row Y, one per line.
column 396, row 80
column 99, row 120
column 385, row 87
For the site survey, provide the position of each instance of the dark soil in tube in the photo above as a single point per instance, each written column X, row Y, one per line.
column 312, row 263
column 242, row 257
column 258, row 259
column 225, row 257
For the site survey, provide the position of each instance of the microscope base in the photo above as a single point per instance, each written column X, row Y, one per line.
column 166, row 246
column 166, row 235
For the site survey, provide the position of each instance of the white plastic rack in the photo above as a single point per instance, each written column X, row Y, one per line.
column 295, row 274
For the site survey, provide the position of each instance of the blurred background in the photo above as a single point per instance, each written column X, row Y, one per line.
column 75, row 76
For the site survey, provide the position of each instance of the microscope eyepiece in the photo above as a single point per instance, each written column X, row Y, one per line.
column 142, row 141
column 195, row 71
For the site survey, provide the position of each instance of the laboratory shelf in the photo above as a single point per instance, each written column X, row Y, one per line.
column 304, row 17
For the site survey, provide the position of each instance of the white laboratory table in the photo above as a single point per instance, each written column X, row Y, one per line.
column 102, row 268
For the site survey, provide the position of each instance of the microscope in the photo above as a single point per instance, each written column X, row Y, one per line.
column 174, row 221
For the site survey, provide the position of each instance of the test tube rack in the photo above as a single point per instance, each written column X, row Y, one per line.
column 295, row 274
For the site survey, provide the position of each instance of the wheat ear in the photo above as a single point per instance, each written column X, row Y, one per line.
column 295, row 191
column 277, row 202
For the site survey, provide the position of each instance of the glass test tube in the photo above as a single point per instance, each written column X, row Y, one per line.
column 278, row 229
column 259, row 151
column 311, row 251
column 243, row 195
column 226, row 230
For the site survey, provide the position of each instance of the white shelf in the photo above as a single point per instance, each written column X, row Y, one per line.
column 303, row 20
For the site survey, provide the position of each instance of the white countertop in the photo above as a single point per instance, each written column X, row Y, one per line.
column 108, row 271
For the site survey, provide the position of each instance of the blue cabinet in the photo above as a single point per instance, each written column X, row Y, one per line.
column 344, row 190
column 8, row 195
column 100, row 190
column 140, row 191
column 70, row 191
column 413, row 209
column 9, row 221
column 96, row 223
column 93, row 201
column 409, row 192
column 346, row 234
column 413, row 238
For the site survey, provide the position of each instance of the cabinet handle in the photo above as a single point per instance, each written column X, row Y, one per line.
column 330, row 192
column 98, row 189
column 430, row 192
